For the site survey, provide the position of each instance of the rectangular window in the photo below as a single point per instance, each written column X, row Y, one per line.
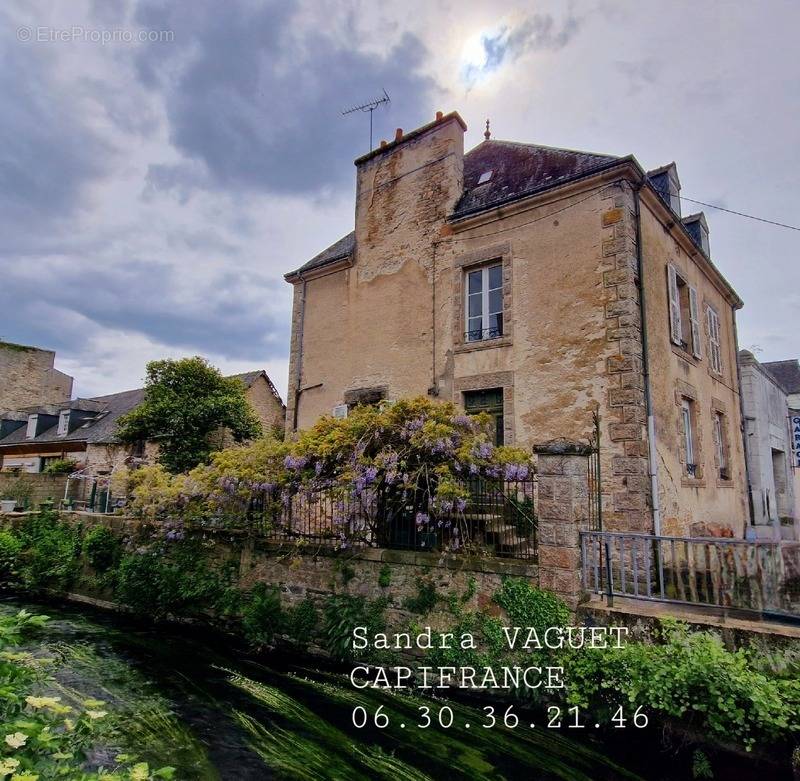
column 63, row 423
column 714, row 342
column 720, row 446
column 30, row 432
column 687, row 418
column 484, row 303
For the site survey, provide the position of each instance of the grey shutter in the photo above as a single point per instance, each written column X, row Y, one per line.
column 675, row 329
column 694, row 316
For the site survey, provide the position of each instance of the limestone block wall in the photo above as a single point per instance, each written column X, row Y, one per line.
column 28, row 378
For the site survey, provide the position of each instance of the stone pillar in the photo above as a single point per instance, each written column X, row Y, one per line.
column 562, row 512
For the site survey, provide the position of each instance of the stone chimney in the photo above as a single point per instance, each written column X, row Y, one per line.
column 405, row 189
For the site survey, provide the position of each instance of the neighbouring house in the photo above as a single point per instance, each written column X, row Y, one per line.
column 84, row 430
column 787, row 373
column 28, row 377
column 768, row 444
column 539, row 285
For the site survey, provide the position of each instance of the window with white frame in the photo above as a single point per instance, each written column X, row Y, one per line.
column 720, row 445
column 684, row 313
column 484, row 303
column 714, row 342
column 687, row 418
column 63, row 422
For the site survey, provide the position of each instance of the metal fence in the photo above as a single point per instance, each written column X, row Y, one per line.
column 498, row 518
column 716, row 572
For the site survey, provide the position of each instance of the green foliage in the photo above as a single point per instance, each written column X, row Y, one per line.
column 263, row 618
column 61, row 466
column 171, row 578
column 701, row 767
column 49, row 558
column 20, row 489
column 692, row 678
column 424, row 600
column 302, row 621
column 186, row 402
column 385, row 576
column 342, row 613
column 346, row 571
column 101, row 548
column 46, row 736
column 10, row 549
column 526, row 605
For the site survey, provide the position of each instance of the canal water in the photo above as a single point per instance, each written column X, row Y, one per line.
column 198, row 703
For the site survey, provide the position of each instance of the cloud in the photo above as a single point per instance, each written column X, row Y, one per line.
column 540, row 32
column 640, row 73
column 222, row 312
column 256, row 98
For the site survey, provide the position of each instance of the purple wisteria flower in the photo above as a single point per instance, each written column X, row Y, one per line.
column 461, row 505
column 295, row 462
column 422, row 519
column 484, row 450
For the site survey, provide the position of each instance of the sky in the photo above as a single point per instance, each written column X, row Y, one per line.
column 164, row 164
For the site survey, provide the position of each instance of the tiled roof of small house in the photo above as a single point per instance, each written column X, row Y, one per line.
column 786, row 373
column 517, row 170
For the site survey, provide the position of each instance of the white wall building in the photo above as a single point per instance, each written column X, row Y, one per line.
column 769, row 448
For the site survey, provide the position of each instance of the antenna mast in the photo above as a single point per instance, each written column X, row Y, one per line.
column 370, row 106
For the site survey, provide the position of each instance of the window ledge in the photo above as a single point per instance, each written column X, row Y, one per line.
column 685, row 354
column 693, row 482
column 724, row 483
column 483, row 344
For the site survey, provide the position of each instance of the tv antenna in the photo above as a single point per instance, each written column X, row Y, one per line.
column 370, row 106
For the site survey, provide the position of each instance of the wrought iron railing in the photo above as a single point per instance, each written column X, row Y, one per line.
column 498, row 518
column 716, row 572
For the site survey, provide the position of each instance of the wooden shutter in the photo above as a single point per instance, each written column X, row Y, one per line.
column 715, row 348
column 694, row 316
column 675, row 329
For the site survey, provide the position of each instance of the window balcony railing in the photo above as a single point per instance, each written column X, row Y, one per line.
column 482, row 334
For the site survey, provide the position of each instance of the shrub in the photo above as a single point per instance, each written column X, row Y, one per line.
column 692, row 678
column 303, row 619
column 263, row 618
column 342, row 613
column 10, row 549
column 527, row 605
column 425, row 599
column 61, row 466
column 49, row 558
column 101, row 548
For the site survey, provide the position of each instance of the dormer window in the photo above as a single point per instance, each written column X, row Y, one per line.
column 667, row 185
column 698, row 229
column 30, row 432
column 63, row 423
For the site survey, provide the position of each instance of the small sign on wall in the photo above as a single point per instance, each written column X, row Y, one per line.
column 795, row 422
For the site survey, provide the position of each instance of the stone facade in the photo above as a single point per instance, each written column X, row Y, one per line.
column 391, row 314
column 28, row 378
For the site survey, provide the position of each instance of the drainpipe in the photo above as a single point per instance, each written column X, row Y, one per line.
column 742, row 426
column 297, row 388
column 648, row 394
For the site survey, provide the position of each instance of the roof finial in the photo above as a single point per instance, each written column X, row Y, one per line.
column 487, row 133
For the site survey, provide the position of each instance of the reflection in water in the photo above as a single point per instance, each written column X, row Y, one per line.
column 214, row 714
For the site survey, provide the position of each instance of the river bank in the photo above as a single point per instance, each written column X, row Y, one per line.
column 192, row 699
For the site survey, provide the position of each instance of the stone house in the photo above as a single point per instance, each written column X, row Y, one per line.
column 768, row 446
column 83, row 430
column 28, row 377
column 539, row 285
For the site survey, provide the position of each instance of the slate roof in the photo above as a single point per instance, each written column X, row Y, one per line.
column 518, row 170
column 93, row 431
column 337, row 251
column 110, row 408
column 786, row 373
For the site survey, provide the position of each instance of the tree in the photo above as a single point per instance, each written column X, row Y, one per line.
column 186, row 401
